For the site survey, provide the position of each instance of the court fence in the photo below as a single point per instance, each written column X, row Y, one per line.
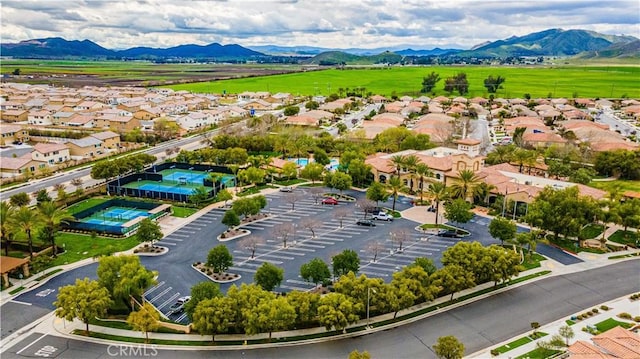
column 154, row 210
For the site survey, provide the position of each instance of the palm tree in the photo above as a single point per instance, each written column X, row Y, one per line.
column 422, row 171
column 465, row 185
column 51, row 216
column 410, row 163
column 25, row 219
column 482, row 192
column 438, row 193
column 60, row 192
column 6, row 213
column 397, row 161
column 396, row 186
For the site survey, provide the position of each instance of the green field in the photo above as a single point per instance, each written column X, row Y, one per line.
column 618, row 185
column 588, row 81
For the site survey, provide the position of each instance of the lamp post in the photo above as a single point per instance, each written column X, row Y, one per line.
column 369, row 289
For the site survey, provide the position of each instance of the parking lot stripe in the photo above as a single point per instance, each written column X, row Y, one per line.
column 295, row 281
column 161, row 294
column 295, row 288
column 179, row 235
column 171, row 299
column 30, row 344
column 240, row 269
column 172, row 239
column 317, row 246
column 167, row 243
column 154, row 288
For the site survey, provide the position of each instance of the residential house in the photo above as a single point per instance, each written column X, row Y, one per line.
column 51, row 153
column 39, row 118
column 86, row 147
column 120, row 124
column 12, row 133
column 62, row 117
column 302, row 120
column 88, row 106
column 615, row 343
column 81, row 120
column 12, row 167
column 195, row 120
column 14, row 115
column 147, row 114
column 110, row 140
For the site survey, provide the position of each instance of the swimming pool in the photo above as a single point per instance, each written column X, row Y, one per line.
column 302, row 162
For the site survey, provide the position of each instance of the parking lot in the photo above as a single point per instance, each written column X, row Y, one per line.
column 192, row 242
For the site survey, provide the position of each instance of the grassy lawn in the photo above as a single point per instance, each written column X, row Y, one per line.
column 87, row 203
column 619, row 185
column 534, row 262
column 538, row 353
column 182, row 212
column 570, row 245
column 561, row 81
column 607, row 324
column 626, row 238
column 592, row 231
column 514, row 344
column 79, row 246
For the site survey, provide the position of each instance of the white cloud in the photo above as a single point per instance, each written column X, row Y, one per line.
column 330, row 23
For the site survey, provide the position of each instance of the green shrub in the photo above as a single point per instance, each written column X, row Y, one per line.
column 604, row 307
column 636, row 318
column 495, row 352
column 594, row 310
column 624, row 315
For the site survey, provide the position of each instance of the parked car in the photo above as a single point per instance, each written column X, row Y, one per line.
column 365, row 222
column 448, row 233
column 178, row 306
column 382, row 216
column 286, row 189
column 330, row 200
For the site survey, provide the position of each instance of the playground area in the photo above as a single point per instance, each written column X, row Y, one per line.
column 117, row 216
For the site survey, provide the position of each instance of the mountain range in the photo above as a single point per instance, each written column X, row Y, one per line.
column 552, row 42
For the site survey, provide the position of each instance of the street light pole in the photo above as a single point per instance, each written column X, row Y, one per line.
column 369, row 289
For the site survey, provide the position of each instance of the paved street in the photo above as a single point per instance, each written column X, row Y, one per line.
column 478, row 325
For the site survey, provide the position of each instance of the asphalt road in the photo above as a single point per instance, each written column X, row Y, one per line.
column 478, row 325
column 66, row 177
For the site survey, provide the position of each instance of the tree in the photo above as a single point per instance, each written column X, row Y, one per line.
column 453, row 278
column 251, row 243
column 85, row 300
column 16, row 72
column 316, row 271
column 417, row 283
column 375, row 248
column 230, row 219
column 366, row 205
column 341, row 181
column 567, row 333
column 306, row 306
column 61, row 194
column 458, row 83
column 422, row 171
column 270, row 315
column 145, row 320
column 215, row 315
column 336, row 311
column 20, row 199
column 125, row 277
column 345, row 262
column 6, row 231
column 52, row 217
column 311, row 224
column 458, row 211
column 465, row 185
column 377, row 193
column 503, row 229
column 149, row 231
column 312, row 171
column 26, row 220
column 357, row 355
column 429, row 82
column 199, row 195
column 317, row 193
column 311, row 105
column 289, row 170
column 42, row 196
column 291, row 110
column 340, row 214
column 201, row 292
column 448, row 347
column 249, row 205
column 292, row 198
column 395, row 186
column 284, row 231
column 224, row 195
column 252, row 175
column 426, row 264
column 399, row 236
column 438, row 193
column 268, row 276
column 219, row 259
column 493, row 83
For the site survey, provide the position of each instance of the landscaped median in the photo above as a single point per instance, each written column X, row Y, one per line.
column 305, row 336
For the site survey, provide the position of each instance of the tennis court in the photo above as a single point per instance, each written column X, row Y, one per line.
column 115, row 216
column 180, row 176
column 186, row 189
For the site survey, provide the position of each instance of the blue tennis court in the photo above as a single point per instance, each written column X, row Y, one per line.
column 102, row 222
column 228, row 180
column 180, row 176
column 165, row 188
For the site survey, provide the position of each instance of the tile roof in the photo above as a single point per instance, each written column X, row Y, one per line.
column 45, row 148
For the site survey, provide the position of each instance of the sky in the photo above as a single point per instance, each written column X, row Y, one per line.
column 418, row 24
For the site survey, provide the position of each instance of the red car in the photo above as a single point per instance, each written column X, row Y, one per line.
column 330, row 200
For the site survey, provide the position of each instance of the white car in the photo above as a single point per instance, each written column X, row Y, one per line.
column 178, row 306
column 286, row 189
column 381, row 216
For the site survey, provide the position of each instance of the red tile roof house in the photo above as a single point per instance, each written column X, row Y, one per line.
column 615, row 343
column 302, row 120
column 52, row 153
column 12, row 167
